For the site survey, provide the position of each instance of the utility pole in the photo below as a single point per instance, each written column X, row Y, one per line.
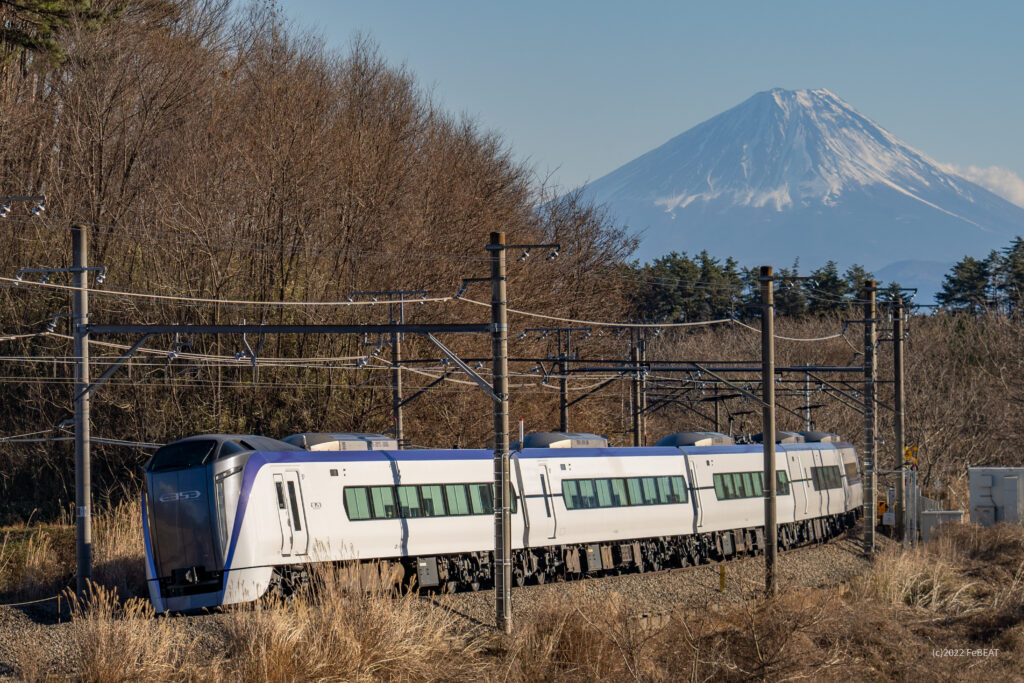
column 563, row 390
column 642, row 344
column 396, row 374
column 870, row 423
column 502, row 516
column 716, row 409
column 396, row 351
column 768, row 424
column 83, row 478
column 807, row 401
column 897, row 369
column 637, row 416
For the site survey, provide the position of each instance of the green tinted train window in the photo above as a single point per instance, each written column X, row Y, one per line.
column 480, row 501
column 409, row 501
column 357, row 503
column 383, row 499
column 458, row 500
column 636, row 496
column 571, row 494
column 664, row 490
column 432, row 498
column 781, row 483
column 588, row 497
column 620, row 495
column 650, row 490
column 678, row 490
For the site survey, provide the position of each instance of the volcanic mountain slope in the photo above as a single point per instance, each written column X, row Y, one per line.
column 790, row 174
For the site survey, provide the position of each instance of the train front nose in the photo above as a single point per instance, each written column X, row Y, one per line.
column 185, row 557
column 182, row 528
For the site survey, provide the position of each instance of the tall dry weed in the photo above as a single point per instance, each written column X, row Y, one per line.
column 42, row 569
column 119, row 555
column 580, row 636
column 338, row 633
column 113, row 641
column 915, row 578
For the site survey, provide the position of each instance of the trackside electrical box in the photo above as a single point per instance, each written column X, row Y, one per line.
column 997, row 494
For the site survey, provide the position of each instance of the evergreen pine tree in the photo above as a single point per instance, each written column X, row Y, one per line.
column 827, row 291
column 966, row 286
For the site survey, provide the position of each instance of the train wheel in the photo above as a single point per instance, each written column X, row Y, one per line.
column 518, row 578
column 541, row 578
column 474, row 585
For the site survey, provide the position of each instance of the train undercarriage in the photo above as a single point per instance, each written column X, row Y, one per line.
column 474, row 571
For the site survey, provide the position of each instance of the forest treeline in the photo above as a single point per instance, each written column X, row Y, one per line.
column 678, row 287
column 213, row 152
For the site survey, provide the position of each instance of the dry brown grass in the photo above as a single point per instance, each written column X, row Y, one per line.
column 40, row 561
column 915, row 578
column 963, row 591
column 338, row 633
column 118, row 550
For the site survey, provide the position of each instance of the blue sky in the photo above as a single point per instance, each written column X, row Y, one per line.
column 579, row 88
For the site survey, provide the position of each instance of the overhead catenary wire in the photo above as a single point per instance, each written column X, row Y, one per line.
column 841, row 333
column 596, row 323
column 222, row 302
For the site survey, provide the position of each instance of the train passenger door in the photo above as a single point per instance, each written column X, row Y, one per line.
column 797, row 485
column 550, row 523
column 825, row 494
column 290, row 513
column 691, row 477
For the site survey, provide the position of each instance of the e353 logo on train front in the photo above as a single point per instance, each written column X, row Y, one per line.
column 179, row 495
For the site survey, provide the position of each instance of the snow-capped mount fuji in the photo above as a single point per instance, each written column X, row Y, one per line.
column 790, row 174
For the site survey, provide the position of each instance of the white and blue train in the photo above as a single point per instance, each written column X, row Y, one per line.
column 227, row 517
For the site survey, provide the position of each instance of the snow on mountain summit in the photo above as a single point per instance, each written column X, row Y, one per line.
column 801, row 173
column 779, row 148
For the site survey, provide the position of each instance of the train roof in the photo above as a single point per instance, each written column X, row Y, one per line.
column 531, row 453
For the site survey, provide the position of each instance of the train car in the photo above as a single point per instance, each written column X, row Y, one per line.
column 228, row 517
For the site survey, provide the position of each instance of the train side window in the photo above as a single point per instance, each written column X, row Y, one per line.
column 458, row 501
column 664, row 491
column 571, row 494
column 719, row 487
column 409, row 501
column 827, row 477
column 757, row 483
column 480, row 499
column 679, row 490
column 432, row 497
column 729, row 486
column 650, row 489
column 295, row 506
column 737, row 482
column 280, row 496
column 636, row 496
column 620, row 496
column 587, row 496
column 604, row 493
column 748, row 485
column 383, row 499
column 852, row 475
column 781, row 483
column 357, row 503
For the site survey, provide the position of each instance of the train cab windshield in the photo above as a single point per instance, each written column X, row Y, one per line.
column 182, row 455
column 193, row 452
